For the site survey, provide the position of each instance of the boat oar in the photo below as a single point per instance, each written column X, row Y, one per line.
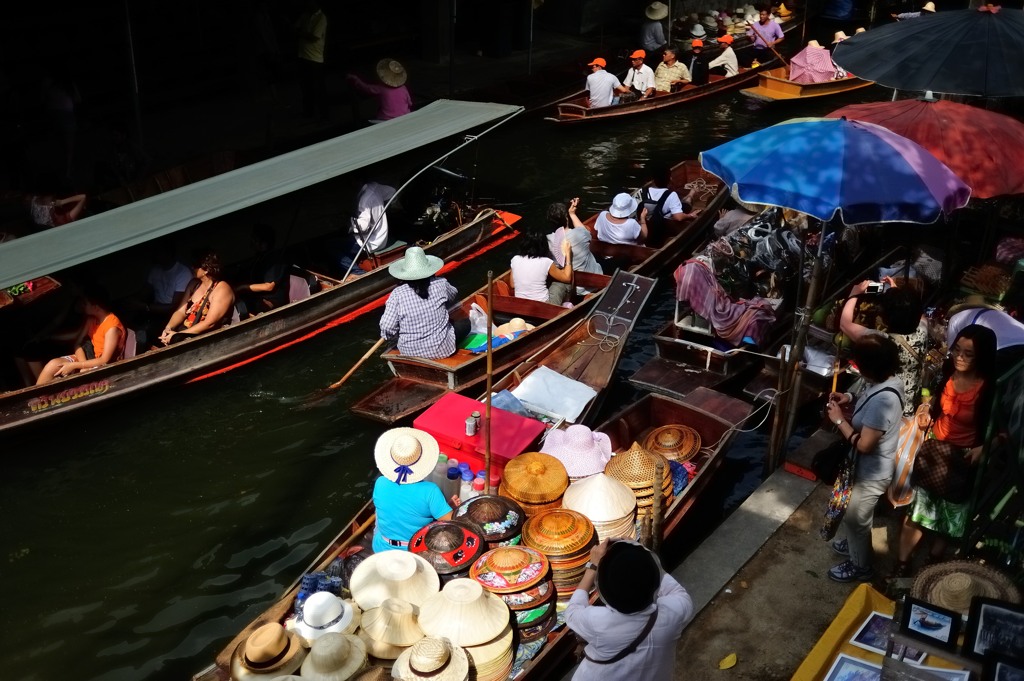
column 490, row 378
column 753, row 27
column 323, row 392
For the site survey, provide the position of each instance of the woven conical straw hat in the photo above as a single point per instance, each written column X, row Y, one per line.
column 534, row 478
column 636, row 468
column 558, row 532
column 601, row 498
column 509, row 569
column 489, row 652
column 675, row 442
column 393, row 622
column 393, row 574
column 464, row 613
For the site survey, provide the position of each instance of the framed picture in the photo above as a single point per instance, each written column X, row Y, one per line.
column 994, row 626
column 930, row 623
column 1003, row 668
column 849, row 668
column 948, row 674
column 873, row 633
column 911, row 655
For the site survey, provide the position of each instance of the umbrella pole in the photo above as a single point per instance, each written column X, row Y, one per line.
column 490, row 378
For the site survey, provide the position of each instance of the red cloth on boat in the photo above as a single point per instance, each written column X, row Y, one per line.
column 731, row 319
column 812, row 65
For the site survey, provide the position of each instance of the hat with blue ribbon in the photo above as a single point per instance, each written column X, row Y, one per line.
column 406, row 455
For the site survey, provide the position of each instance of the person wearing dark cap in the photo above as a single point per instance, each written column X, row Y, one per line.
column 601, row 85
column 635, row 636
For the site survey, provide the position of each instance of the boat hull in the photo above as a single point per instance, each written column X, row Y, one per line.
column 774, row 86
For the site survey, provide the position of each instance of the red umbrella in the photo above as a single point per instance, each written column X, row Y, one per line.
column 982, row 147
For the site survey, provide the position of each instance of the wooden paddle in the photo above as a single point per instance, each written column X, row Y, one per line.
column 323, row 392
column 753, row 27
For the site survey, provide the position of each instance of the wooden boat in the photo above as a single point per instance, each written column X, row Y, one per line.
column 713, row 415
column 244, row 341
column 574, row 109
column 590, row 351
column 417, row 382
column 773, row 85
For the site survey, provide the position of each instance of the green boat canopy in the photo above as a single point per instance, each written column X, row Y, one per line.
column 58, row 248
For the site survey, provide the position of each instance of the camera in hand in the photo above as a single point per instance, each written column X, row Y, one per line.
column 874, row 287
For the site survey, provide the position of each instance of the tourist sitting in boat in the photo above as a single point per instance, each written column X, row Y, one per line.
column 634, row 635
column 368, row 226
column 404, row 499
column 416, row 314
column 698, row 63
column 725, row 62
column 208, row 304
column 639, row 82
column 765, row 34
column 652, row 33
column 102, row 341
column 49, row 211
column 671, row 73
column 617, row 226
column 264, row 283
column 663, row 203
column 601, row 85
column 956, row 424
column 533, row 264
column 569, row 228
column 900, row 312
column 872, row 431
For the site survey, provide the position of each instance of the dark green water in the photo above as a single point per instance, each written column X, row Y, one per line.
column 138, row 540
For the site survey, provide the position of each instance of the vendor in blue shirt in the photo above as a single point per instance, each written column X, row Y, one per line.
column 404, row 500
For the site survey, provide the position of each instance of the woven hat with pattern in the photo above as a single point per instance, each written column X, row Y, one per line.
column 432, row 658
column 391, row 72
column 954, row 583
column 450, row 546
column 534, row 478
column 501, row 518
column 635, row 467
column 394, row 622
column 510, row 569
column 334, row 657
column 675, row 442
column 601, row 498
column 373, row 674
column 582, row 451
column 492, row 659
column 559, row 532
column 393, row 574
column 464, row 613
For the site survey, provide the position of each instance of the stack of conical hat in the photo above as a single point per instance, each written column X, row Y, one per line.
column 607, row 502
column 636, row 468
column 675, row 442
column 536, row 481
column 472, row 617
column 500, row 517
column 389, row 629
column 450, row 546
column 521, row 577
column 565, row 537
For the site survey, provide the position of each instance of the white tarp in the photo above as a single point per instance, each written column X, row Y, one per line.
column 548, row 392
column 61, row 247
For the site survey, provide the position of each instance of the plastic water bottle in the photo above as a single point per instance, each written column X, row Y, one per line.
column 452, row 481
column 495, row 479
column 466, row 488
column 478, row 487
column 482, row 475
column 452, row 461
column 439, row 475
column 464, row 467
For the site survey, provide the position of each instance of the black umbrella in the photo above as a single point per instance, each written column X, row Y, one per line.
column 963, row 52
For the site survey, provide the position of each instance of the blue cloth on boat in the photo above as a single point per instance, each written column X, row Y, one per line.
column 403, row 509
column 680, row 477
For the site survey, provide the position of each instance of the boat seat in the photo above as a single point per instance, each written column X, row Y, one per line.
column 298, row 288
column 129, row 344
column 395, row 245
column 460, row 357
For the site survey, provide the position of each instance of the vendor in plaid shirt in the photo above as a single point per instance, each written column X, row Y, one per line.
column 416, row 313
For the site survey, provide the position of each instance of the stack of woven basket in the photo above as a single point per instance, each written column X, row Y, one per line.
column 636, row 468
column 565, row 537
column 500, row 518
column 521, row 577
column 607, row 502
column 536, row 481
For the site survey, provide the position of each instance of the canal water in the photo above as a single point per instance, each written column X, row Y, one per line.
column 139, row 539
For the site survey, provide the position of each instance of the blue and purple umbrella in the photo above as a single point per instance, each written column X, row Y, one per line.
column 828, row 168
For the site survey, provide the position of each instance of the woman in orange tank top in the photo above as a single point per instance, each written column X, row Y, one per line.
column 103, row 342
column 957, row 422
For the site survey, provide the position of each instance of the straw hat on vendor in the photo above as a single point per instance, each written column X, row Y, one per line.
column 404, row 499
column 269, row 652
column 391, row 72
column 415, row 265
column 334, row 657
column 582, row 451
column 953, row 584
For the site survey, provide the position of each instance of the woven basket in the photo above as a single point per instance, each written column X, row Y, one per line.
column 675, row 442
column 534, row 478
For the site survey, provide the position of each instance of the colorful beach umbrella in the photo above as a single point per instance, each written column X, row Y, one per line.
column 982, row 147
column 829, row 168
column 963, row 52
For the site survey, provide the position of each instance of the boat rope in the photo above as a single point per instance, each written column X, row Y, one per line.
column 701, row 185
column 766, row 406
column 607, row 341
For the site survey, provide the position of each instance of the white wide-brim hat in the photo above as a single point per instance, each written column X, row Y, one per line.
column 393, row 574
column 394, row 623
column 323, row 613
column 391, row 72
column 334, row 657
column 269, row 651
column 416, row 264
column 406, row 455
column 656, row 11
column 437, row 659
column 582, row 451
column 464, row 613
column 698, row 31
column 623, row 205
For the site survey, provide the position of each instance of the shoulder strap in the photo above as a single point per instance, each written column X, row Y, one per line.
column 886, row 389
column 632, row 646
column 661, row 202
column 898, row 337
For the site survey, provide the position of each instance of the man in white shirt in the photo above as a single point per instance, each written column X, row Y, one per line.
column 601, row 85
column 727, row 60
column 368, row 226
column 639, row 83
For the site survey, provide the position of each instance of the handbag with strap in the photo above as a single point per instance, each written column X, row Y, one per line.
column 942, row 469
column 625, row 651
column 912, row 436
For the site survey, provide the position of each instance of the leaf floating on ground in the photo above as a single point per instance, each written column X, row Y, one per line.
column 744, row 584
column 812, row 573
column 727, row 662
